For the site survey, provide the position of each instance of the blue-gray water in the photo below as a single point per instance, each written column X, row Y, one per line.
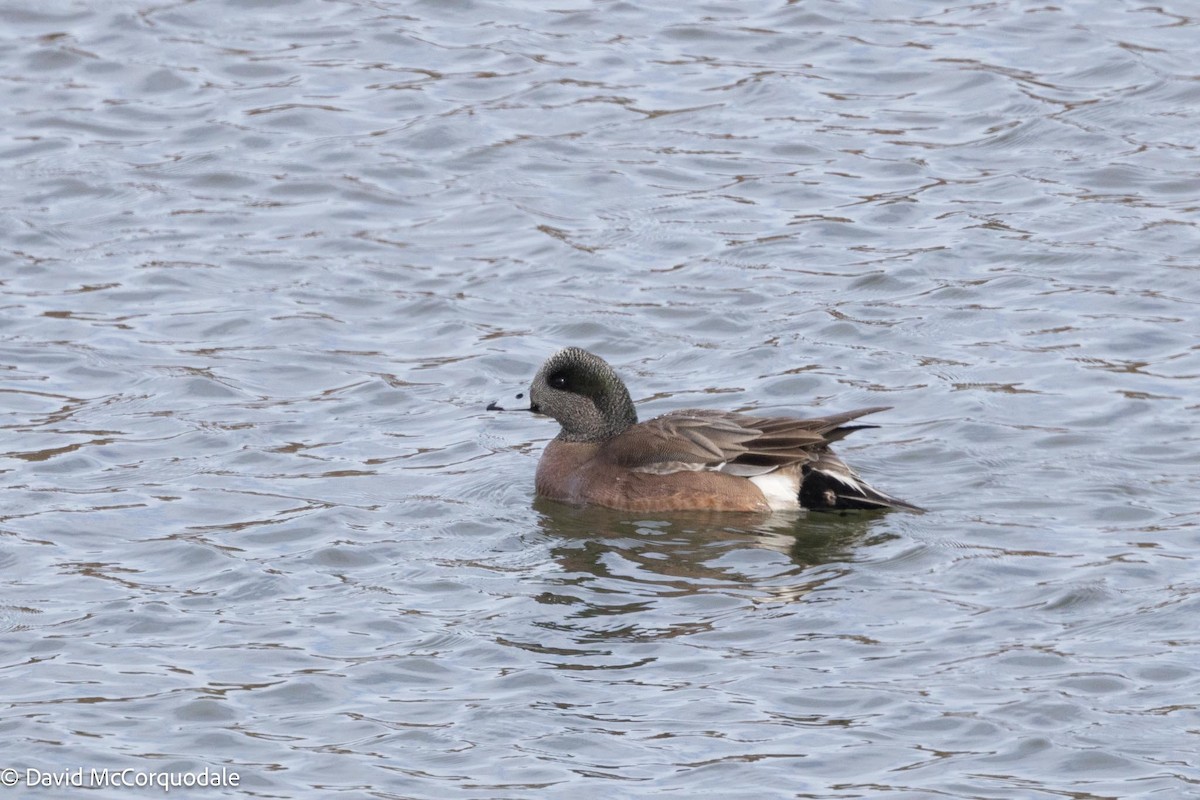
column 263, row 264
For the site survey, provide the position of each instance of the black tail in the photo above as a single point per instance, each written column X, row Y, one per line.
column 829, row 485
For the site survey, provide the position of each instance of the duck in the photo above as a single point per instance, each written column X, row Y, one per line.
column 686, row 460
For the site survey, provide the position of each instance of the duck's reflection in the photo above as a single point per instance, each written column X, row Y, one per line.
column 694, row 552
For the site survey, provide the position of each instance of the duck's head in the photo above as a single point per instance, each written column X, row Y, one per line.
column 583, row 393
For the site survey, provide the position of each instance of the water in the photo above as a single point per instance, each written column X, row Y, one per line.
column 265, row 263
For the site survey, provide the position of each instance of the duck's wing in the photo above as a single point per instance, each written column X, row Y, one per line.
column 737, row 444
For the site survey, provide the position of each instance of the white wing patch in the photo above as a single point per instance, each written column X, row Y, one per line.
column 669, row 467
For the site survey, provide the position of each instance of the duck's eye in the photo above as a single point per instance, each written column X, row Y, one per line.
column 558, row 381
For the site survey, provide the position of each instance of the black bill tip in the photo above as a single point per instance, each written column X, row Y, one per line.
column 495, row 406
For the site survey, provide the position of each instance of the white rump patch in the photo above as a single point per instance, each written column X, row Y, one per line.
column 781, row 488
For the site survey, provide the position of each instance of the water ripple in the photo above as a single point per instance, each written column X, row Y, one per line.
column 265, row 267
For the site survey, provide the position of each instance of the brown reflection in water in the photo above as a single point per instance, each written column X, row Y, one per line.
column 682, row 553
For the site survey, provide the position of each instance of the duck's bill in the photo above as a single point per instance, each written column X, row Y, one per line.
column 520, row 398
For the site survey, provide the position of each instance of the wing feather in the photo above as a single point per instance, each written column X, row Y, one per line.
column 739, row 444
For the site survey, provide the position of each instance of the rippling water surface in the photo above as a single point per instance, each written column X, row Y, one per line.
column 264, row 263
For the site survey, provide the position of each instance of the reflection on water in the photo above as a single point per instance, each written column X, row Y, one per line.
column 263, row 264
column 699, row 551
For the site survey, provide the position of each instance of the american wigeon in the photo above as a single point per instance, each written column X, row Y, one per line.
column 685, row 460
